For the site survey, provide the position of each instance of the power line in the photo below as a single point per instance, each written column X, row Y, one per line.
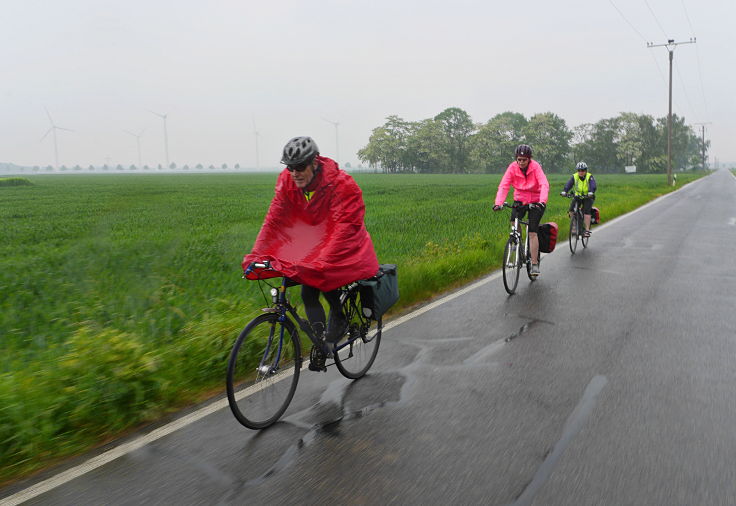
column 692, row 32
column 684, row 91
column 627, row 21
column 655, row 18
column 656, row 62
column 697, row 56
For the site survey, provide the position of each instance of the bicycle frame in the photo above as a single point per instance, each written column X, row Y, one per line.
column 519, row 229
column 283, row 307
column 579, row 219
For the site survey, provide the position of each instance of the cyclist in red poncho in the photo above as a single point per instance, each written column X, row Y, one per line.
column 314, row 232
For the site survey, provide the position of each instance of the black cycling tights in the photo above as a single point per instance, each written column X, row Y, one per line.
column 313, row 308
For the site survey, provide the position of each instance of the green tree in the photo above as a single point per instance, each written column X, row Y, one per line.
column 387, row 146
column 458, row 128
column 549, row 137
column 599, row 150
column 426, row 147
column 492, row 147
column 629, row 139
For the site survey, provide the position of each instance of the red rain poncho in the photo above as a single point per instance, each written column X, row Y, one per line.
column 322, row 242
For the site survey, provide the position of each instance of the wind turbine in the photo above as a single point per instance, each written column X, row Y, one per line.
column 337, row 144
column 255, row 132
column 166, row 135
column 138, row 140
column 52, row 130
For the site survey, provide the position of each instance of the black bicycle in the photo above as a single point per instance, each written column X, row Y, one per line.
column 577, row 222
column 266, row 358
column 517, row 252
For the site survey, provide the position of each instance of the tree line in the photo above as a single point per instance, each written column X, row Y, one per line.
column 452, row 143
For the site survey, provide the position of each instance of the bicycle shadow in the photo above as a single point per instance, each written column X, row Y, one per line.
column 341, row 401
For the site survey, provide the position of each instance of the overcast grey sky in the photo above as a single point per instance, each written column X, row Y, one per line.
column 216, row 67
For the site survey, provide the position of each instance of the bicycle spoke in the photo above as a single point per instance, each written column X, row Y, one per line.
column 364, row 337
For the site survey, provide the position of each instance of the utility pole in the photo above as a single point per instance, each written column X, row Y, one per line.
column 702, row 126
column 671, row 48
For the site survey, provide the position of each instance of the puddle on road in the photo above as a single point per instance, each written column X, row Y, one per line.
column 344, row 401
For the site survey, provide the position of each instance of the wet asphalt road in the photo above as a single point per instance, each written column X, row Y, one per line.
column 610, row 380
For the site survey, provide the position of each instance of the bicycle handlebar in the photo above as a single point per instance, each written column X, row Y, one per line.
column 530, row 204
column 264, row 265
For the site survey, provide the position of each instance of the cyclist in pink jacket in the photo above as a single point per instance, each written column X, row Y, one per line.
column 531, row 190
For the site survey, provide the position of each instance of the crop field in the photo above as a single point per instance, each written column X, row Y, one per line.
column 122, row 294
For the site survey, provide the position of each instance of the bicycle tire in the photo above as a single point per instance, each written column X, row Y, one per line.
column 354, row 360
column 573, row 237
column 583, row 238
column 262, row 376
column 511, row 266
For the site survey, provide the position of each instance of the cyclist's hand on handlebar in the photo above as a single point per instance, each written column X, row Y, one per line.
column 540, row 205
column 497, row 208
column 590, row 194
column 564, row 194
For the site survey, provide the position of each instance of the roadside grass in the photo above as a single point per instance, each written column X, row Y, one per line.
column 122, row 294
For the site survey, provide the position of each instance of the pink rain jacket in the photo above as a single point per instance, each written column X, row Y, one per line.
column 532, row 187
column 322, row 242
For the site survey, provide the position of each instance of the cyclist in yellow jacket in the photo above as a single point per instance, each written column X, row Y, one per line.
column 583, row 184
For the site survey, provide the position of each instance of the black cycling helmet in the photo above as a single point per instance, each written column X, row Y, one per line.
column 523, row 150
column 299, row 150
column 581, row 166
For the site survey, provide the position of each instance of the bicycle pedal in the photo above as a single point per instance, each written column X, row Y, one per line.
column 317, row 360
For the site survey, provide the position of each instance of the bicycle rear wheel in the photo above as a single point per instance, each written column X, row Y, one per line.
column 573, row 237
column 511, row 266
column 263, row 371
column 583, row 238
column 364, row 335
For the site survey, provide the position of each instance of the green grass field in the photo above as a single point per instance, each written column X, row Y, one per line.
column 122, row 294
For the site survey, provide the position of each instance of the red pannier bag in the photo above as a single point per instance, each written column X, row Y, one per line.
column 595, row 216
column 547, row 234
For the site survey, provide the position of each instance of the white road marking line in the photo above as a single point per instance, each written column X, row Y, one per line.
column 119, row 451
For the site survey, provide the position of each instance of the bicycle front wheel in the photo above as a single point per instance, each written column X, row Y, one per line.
column 511, row 266
column 354, row 360
column 263, row 371
column 573, row 237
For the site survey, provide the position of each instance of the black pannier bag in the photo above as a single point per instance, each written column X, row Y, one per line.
column 380, row 292
column 547, row 235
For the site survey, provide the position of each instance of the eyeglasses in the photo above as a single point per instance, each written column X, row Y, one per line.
column 299, row 167
column 522, row 159
column 582, row 170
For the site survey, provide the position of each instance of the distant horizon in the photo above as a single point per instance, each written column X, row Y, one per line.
column 142, row 82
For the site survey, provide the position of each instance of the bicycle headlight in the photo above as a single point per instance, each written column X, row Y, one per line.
column 274, row 294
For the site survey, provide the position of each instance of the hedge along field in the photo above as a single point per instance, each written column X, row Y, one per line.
column 122, row 294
